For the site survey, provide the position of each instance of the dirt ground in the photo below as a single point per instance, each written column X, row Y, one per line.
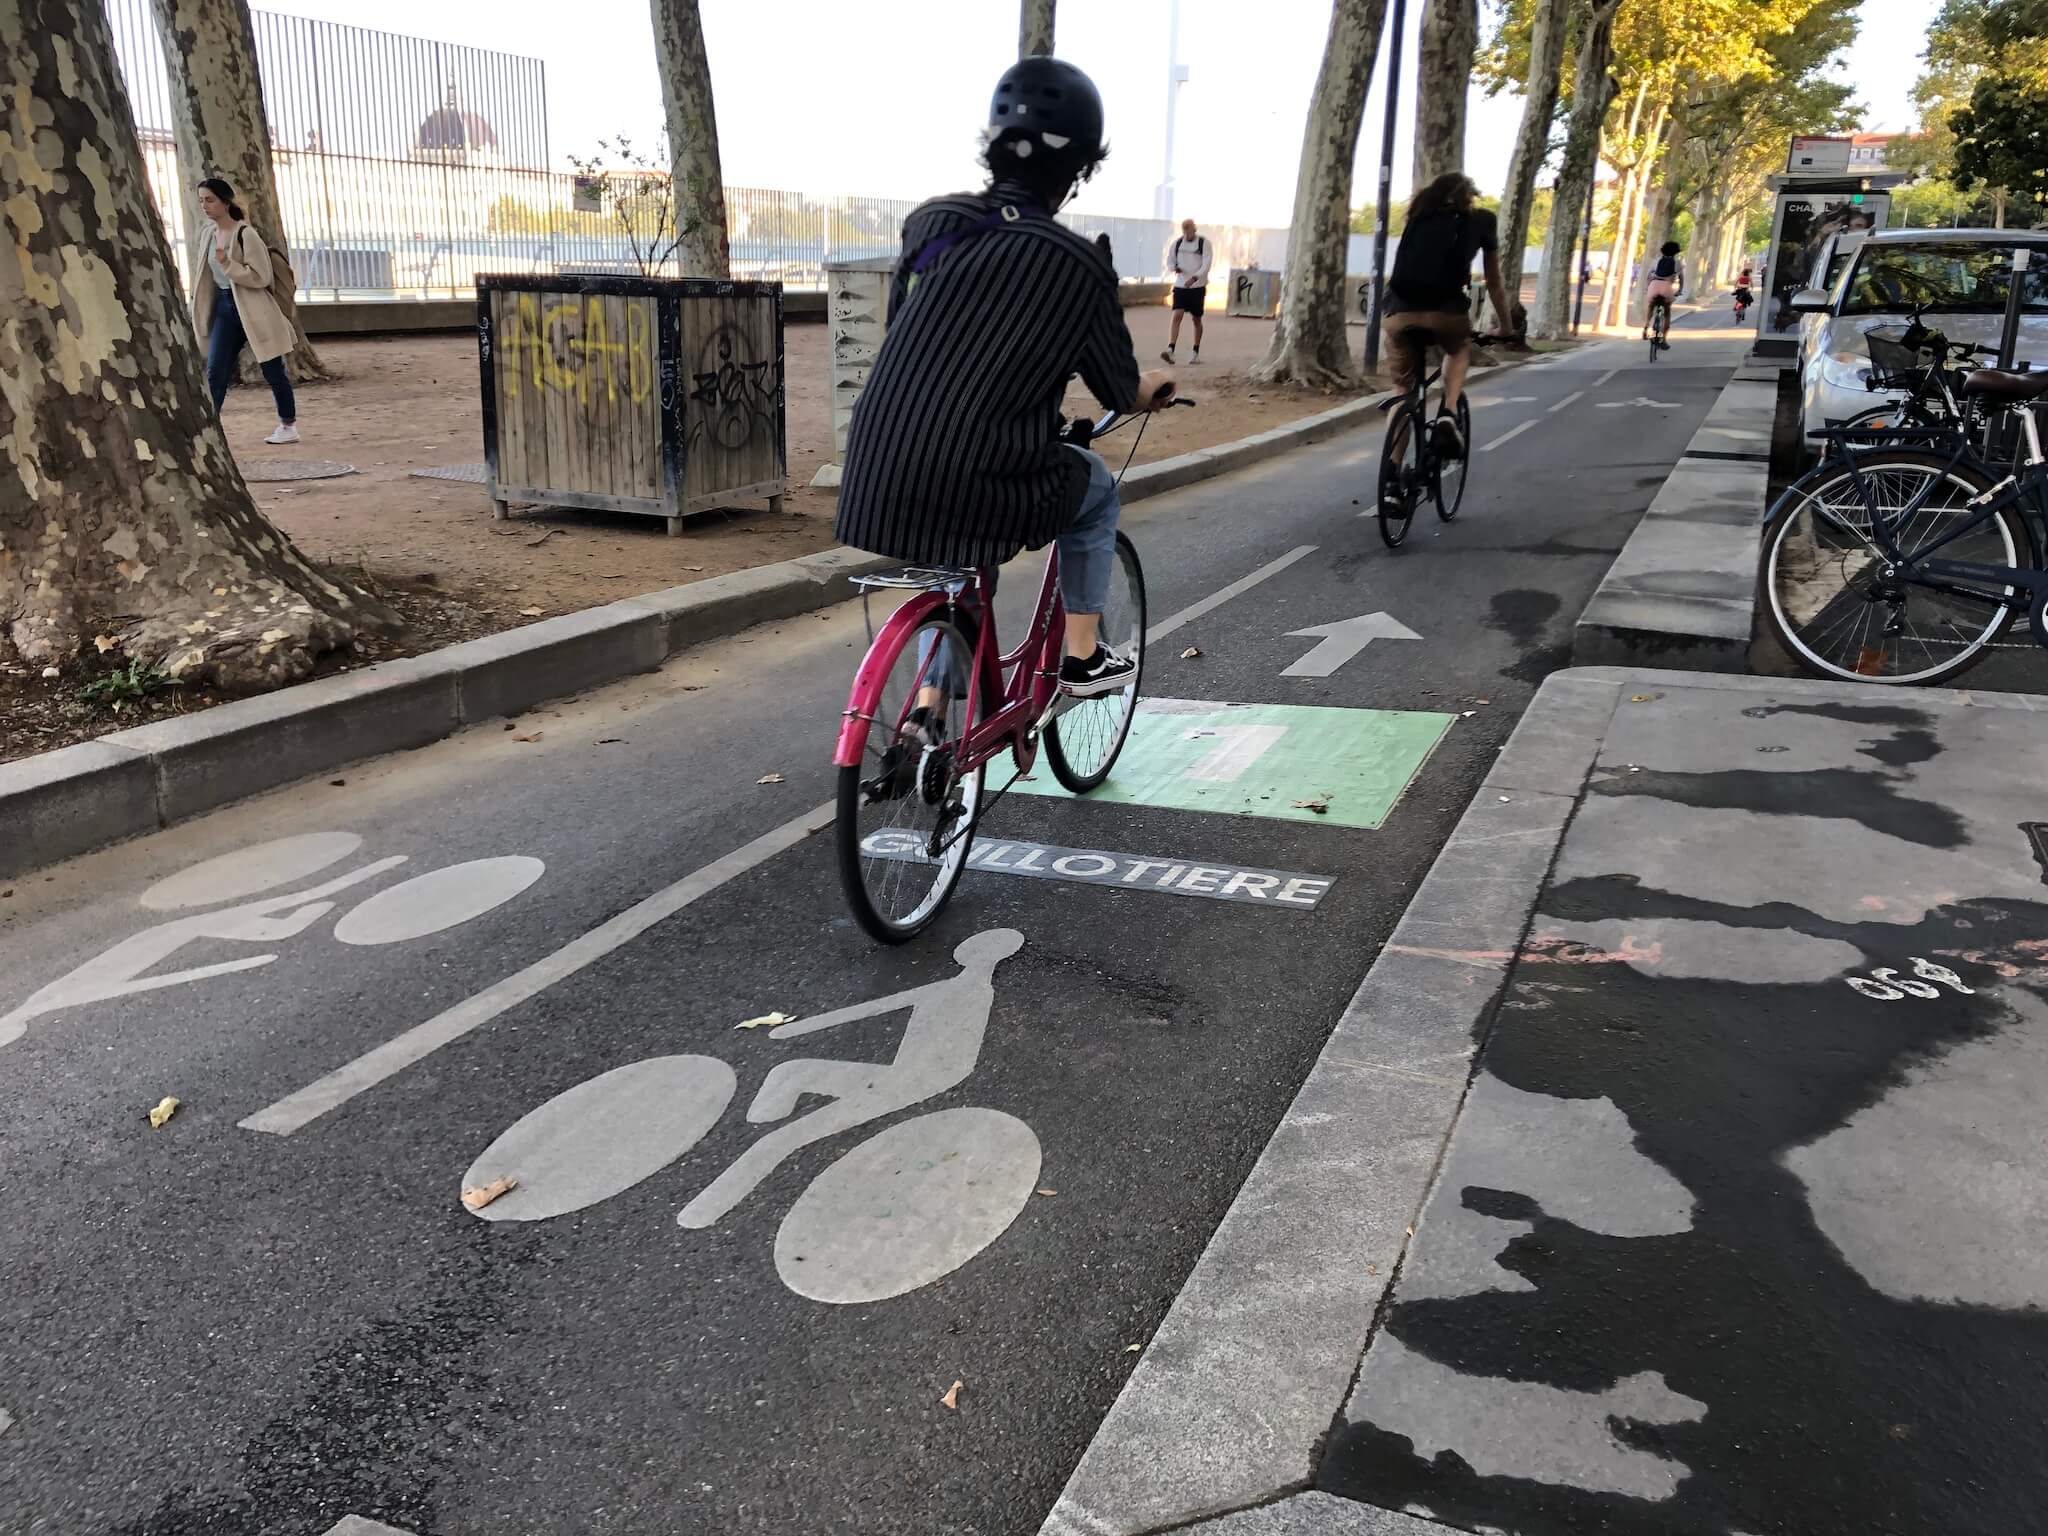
column 406, row 403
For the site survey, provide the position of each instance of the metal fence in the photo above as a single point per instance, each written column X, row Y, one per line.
column 405, row 167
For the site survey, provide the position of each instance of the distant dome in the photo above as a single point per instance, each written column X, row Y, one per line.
column 450, row 129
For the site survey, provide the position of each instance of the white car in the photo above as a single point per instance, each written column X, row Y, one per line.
column 1829, row 263
column 1960, row 276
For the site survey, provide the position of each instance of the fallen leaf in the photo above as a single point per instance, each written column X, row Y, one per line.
column 536, row 736
column 510, row 726
column 165, row 1108
column 952, row 1397
column 104, row 643
column 50, row 672
column 1503, row 799
column 1469, row 713
column 769, row 778
column 483, row 1194
column 1319, row 805
column 693, row 567
column 1042, row 1191
column 540, row 538
column 605, row 741
column 1639, row 698
column 531, row 613
column 1190, row 653
column 1482, row 701
column 1134, row 1349
column 337, row 783
column 771, row 1020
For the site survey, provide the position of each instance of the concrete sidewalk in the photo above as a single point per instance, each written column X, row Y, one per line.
column 1678, row 1168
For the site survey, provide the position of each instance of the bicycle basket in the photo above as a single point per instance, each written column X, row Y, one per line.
column 1895, row 361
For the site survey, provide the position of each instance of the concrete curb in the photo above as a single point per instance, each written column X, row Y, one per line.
column 1218, row 1427
column 60, row 804
column 1258, row 1354
column 1682, row 592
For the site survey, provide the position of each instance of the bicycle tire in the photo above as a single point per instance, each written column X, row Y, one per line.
column 1130, row 617
column 1782, row 587
column 1458, row 470
column 849, row 840
column 1402, row 442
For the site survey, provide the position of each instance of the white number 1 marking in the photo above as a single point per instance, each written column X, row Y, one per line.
column 1237, row 748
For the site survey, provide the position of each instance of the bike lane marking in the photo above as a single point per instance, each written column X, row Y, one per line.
column 1121, row 871
column 1509, row 436
column 1571, row 399
column 299, row 1109
column 1355, row 764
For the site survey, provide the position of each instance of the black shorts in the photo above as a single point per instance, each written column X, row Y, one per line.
column 1189, row 301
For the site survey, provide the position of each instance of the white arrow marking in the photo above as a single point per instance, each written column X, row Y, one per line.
column 1343, row 640
column 1618, row 405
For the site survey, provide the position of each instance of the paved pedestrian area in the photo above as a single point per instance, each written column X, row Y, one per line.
column 1740, row 1229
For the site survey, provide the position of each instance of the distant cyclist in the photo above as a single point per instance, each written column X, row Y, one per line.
column 1667, row 282
column 1427, row 291
column 1745, row 291
column 954, row 457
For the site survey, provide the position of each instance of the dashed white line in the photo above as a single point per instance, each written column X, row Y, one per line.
column 1577, row 394
column 1508, row 436
column 1193, row 611
column 1610, row 373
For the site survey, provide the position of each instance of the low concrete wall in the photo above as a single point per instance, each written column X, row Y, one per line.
column 1682, row 592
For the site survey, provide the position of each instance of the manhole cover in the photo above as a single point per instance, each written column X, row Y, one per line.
column 295, row 469
column 475, row 474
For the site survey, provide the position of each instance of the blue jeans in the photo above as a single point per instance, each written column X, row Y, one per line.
column 1087, row 561
column 224, row 342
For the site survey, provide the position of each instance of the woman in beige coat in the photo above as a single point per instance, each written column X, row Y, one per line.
column 240, row 263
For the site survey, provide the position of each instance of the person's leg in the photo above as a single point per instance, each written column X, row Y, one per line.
column 1403, row 361
column 1173, row 331
column 280, row 384
column 1088, row 558
column 1454, row 336
column 1198, row 334
column 223, row 347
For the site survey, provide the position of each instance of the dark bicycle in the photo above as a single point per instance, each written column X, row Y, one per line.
column 1411, row 467
column 1903, row 558
column 1660, row 325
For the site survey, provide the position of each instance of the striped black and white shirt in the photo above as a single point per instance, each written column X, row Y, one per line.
column 953, row 455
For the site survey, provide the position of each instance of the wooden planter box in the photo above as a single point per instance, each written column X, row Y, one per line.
column 632, row 394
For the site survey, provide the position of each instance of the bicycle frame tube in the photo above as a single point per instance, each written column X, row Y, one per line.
column 1027, row 694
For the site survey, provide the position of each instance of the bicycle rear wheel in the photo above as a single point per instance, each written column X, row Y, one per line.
column 1086, row 735
column 1821, row 579
column 906, row 814
column 1448, row 484
column 1401, row 472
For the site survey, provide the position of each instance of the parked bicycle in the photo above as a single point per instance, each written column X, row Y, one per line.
column 908, row 807
column 1923, row 372
column 1903, row 556
column 1410, row 465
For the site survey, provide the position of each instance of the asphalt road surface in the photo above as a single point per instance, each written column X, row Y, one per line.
column 275, row 1310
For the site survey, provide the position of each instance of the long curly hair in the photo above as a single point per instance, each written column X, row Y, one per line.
column 1452, row 192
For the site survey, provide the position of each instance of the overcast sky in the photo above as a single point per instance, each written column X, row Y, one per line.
column 885, row 97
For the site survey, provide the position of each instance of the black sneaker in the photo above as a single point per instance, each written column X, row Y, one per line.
column 1098, row 674
column 1166, row 356
column 1450, row 442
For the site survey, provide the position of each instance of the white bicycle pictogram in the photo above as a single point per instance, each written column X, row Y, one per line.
column 425, row 904
column 903, row 1208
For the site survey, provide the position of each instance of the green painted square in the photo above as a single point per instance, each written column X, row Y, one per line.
column 1258, row 759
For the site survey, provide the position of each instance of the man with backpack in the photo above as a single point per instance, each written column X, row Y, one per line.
column 1426, row 297
column 1188, row 260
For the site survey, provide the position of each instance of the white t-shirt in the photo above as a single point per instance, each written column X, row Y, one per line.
column 1188, row 261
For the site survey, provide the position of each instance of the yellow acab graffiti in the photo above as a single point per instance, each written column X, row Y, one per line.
column 547, row 346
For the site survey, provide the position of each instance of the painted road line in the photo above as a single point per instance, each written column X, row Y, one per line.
column 1610, row 373
column 1347, row 767
column 1575, row 395
column 1343, row 640
column 299, row 1109
column 1217, row 599
column 1508, row 436
column 356, row 1525
column 1122, row 871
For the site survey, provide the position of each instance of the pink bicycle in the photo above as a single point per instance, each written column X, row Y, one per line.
column 911, row 791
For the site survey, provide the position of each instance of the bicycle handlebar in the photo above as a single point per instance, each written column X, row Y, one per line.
column 1080, row 431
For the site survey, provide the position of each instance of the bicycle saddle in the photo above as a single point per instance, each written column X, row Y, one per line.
column 1991, row 384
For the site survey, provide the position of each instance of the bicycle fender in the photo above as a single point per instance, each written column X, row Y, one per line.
column 866, row 696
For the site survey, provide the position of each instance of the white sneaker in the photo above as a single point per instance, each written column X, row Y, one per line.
column 286, row 433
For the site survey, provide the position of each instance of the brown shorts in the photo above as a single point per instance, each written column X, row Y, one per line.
column 1450, row 330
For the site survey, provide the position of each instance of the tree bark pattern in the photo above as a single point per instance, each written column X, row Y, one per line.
column 122, row 514
column 1309, row 344
column 698, row 183
column 1593, row 91
column 1034, row 28
column 217, row 119
column 1532, row 142
column 1443, row 77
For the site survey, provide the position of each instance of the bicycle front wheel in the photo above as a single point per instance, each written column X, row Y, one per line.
column 1401, row 474
column 906, row 812
column 1822, row 581
column 1086, row 735
column 1448, row 485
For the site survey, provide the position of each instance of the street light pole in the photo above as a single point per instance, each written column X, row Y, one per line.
column 1176, row 77
column 1398, row 22
column 1585, row 241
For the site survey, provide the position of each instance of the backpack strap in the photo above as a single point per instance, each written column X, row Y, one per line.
column 933, row 249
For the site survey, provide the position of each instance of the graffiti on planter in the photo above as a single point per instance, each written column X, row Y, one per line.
column 736, row 392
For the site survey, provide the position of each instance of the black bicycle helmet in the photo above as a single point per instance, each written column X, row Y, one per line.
column 1045, row 107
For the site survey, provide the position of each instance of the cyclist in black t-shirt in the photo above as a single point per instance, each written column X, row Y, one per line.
column 1427, row 290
